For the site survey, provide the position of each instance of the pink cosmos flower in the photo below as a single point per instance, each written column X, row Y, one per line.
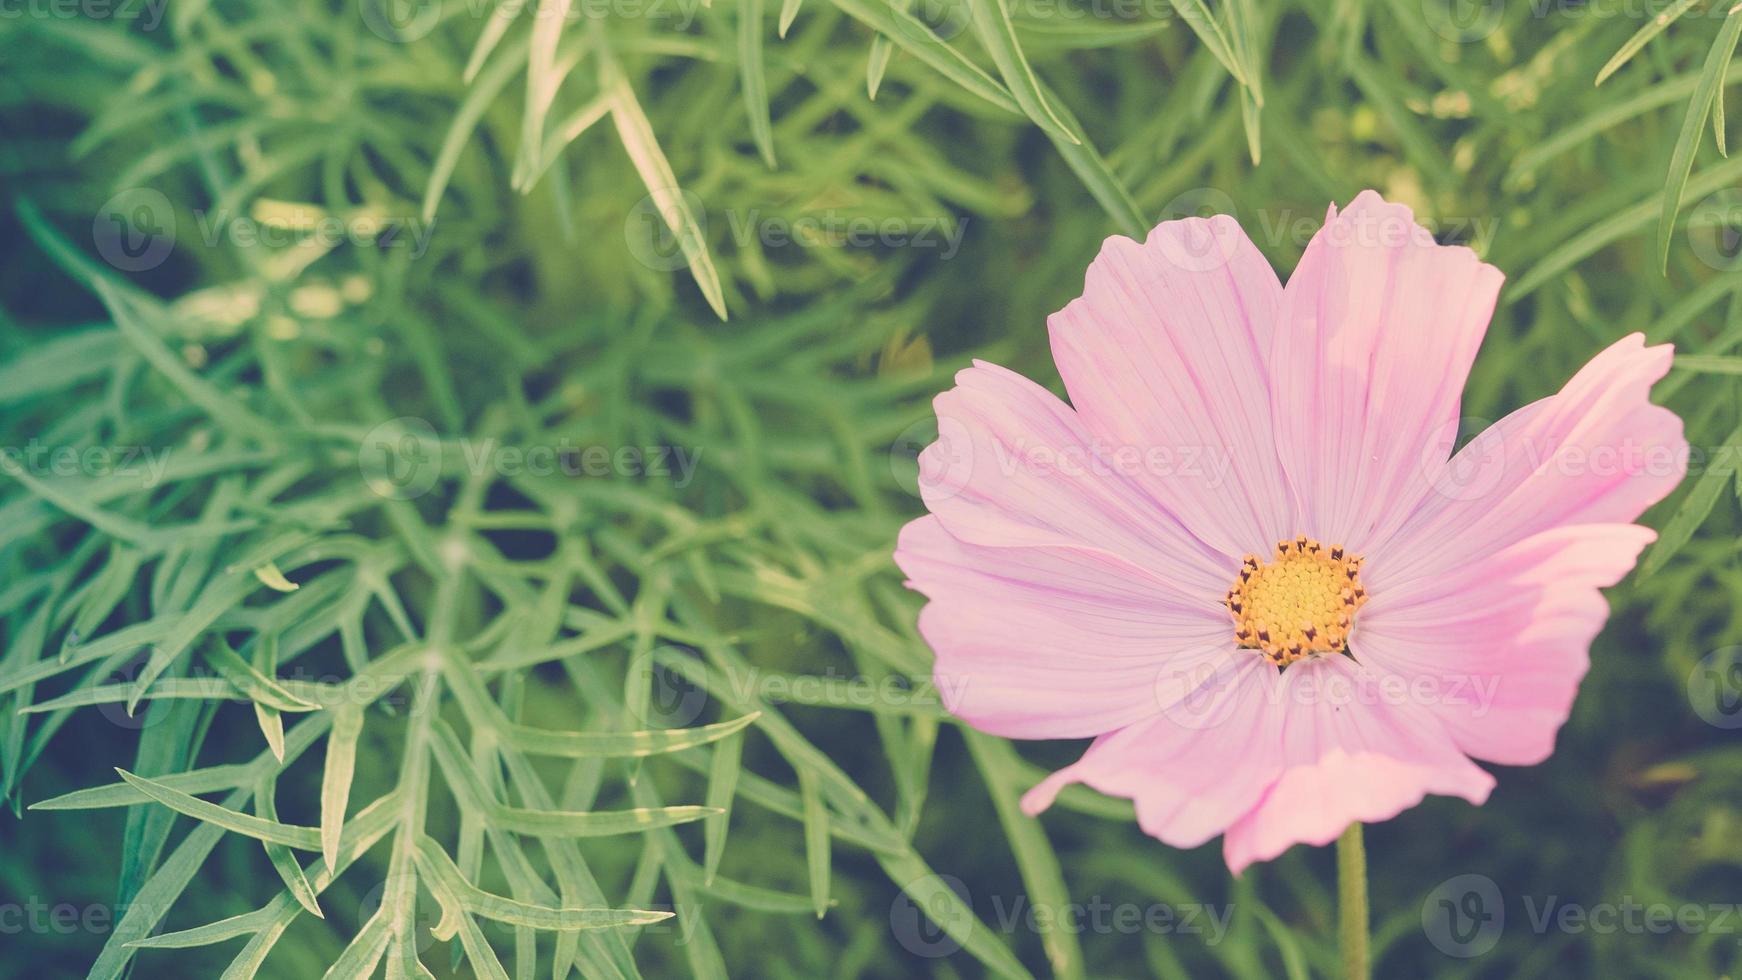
column 1241, row 558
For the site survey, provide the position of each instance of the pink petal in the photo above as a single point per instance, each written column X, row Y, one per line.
column 1051, row 642
column 1014, row 467
column 1597, row 452
column 1195, row 768
column 1497, row 650
column 1376, row 333
column 1163, row 356
column 1060, row 593
column 1351, row 751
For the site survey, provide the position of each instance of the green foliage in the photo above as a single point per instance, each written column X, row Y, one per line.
column 385, row 695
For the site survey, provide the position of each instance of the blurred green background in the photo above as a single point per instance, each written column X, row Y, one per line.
column 415, row 307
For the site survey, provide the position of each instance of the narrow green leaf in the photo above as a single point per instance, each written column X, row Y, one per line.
column 754, row 78
column 166, row 689
column 1681, row 161
column 341, row 765
column 992, row 26
column 723, row 771
column 301, row 838
column 661, row 183
column 1209, row 31
column 501, row 18
column 913, row 36
column 566, row 131
column 1718, row 124
column 363, row 955
column 595, row 823
column 266, row 666
column 933, row 897
column 816, row 840
column 1001, row 769
column 272, row 727
column 210, row 780
column 57, row 363
column 1249, row 119
column 478, row 98
column 436, row 863
column 1643, row 36
column 788, row 14
column 220, row 406
column 211, row 933
column 758, row 898
column 878, row 64
column 254, row 684
column 1243, row 40
column 455, row 921
column 1709, row 363
column 1609, row 229
column 582, row 745
column 1105, row 186
column 112, row 584
column 361, row 834
column 543, row 77
column 288, row 868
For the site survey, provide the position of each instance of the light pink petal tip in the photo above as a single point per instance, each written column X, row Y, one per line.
column 1596, row 452
column 1489, row 592
column 1376, row 334
column 1164, row 357
column 1496, row 652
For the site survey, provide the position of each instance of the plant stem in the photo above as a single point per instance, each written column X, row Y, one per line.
column 1352, row 901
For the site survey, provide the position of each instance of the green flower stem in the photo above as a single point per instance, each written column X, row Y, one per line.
column 1352, row 902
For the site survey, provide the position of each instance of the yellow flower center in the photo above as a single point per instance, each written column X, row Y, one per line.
column 1302, row 601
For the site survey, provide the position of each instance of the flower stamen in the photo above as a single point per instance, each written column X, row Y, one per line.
column 1301, row 602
